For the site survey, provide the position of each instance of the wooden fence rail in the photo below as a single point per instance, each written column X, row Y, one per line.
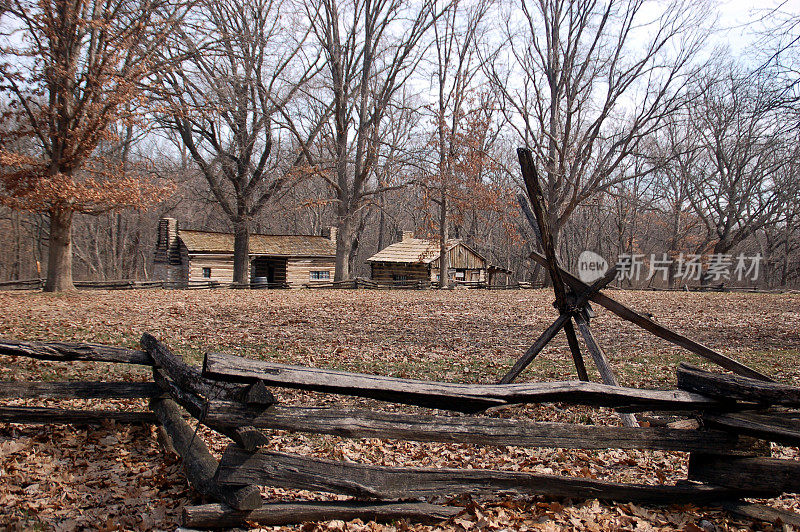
column 447, row 395
column 729, row 453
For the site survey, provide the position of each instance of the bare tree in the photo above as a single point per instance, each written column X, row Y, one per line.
column 588, row 82
column 74, row 68
column 457, row 64
column 741, row 177
column 372, row 47
column 244, row 66
column 676, row 153
column 779, row 44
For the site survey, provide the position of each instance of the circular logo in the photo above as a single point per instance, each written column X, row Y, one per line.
column 591, row 266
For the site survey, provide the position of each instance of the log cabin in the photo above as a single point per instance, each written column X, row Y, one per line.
column 290, row 261
column 417, row 260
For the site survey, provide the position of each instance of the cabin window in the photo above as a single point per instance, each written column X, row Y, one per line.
column 319, row 275
column 206, row 273
column 460, row 275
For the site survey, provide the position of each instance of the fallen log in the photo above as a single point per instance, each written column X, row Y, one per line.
column 654, row 328
column 360, row 423
column 769, row 475
column 777, row 428
column 199, row 465
column 694, row 379
column 446, row 395
column 69, row 351
column 78, row 390
column 239, row 466
column 38, row 414
column 288, row 513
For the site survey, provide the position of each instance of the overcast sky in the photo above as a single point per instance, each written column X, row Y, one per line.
column 738, row 19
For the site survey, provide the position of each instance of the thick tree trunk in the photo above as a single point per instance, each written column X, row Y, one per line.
column 344, row 246
column 59, row 254
column 241, row 250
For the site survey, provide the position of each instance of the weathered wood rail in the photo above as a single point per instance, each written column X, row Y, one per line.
column 467, row 398
column 114, row 284
column 735, row 417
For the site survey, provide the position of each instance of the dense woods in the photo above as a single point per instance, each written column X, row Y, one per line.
column 653, row 138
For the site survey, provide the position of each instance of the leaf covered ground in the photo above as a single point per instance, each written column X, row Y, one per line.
column 117, row 477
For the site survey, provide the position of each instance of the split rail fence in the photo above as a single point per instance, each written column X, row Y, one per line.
column 357, row 283
column 732, row 418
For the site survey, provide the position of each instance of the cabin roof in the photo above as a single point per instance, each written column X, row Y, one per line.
column 415, row 250
column 273, row 245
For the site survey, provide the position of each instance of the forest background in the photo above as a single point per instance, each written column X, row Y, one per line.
column 665, row 130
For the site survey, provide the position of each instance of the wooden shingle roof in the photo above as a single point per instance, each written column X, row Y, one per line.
column 412, row 250
column 272, row 245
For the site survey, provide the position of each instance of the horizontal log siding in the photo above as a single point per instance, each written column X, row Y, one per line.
column 298, row 270
column 221, row 265
column 385, row 272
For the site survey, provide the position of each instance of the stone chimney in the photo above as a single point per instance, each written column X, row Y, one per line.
column 167, row 238
column 404, row 235
column 330, row 233
column 167, row 232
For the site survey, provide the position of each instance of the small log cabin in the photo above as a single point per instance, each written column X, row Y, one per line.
column 416, row 259
column 291, row 261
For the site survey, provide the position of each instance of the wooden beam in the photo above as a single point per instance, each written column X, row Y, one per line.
column 735, row 387
column 288, row 513
column 761, row 512
column 69, row 351
column 191, row 402
column 247, row 437
column 599, row 356
column 768, row 475
column 189, row 379
column 577, row 302
column 775, row 427
column 540, row 343
column 575, row 349
column 658, row 330
column 78, row 390
column 298, row 472
column 361, row 423
column 199, row 465
column 600, row 360
column 446, row 395
column 37, row 414
column 531, row 178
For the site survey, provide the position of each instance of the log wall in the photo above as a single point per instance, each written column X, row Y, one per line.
column 389, row 272
column 298, row 270
column 221, row 265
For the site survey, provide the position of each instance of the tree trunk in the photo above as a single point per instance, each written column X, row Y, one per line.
column 241, row 250
column 344, row 246
column 673, row 243
column 59, row 254
column 16, row 267
column 444, row 264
